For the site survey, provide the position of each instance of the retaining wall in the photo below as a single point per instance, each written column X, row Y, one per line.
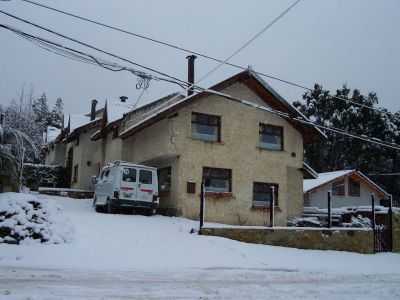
column 341, row 239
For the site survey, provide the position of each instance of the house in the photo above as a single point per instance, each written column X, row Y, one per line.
column 348, row 188
column 239, row 149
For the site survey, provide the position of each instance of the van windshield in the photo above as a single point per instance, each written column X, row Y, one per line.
column 129, row 175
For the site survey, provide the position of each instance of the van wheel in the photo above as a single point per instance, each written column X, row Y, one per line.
column 110, row 208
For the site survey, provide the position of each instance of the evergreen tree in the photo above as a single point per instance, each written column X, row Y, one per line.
column 340, row 152
column 57, row 114
column 41, row 113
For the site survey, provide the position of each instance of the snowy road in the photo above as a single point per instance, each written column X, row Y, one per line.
column 133, row 256
column 16, row 283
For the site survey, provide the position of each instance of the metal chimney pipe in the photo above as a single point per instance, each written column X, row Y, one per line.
column 93, row 110
column 191, row 59
column 123, row 98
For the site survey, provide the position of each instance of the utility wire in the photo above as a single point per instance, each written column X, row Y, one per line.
column 199, row 54
column 90, row 46
column 245, row 102
column 249, row 41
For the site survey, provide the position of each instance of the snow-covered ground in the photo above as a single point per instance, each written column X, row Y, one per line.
column 133, row 256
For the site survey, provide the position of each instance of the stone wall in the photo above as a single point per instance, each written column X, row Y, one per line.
column 353, row 240
column 396, row 232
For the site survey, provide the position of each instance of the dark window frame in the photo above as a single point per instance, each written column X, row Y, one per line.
column 115, row 132
column 354, row 188
column 76, row 169
column 208, row 120
column 213, row 174
column 265, row 189
column 339, row 188
column 263, row 128
column 169, row 172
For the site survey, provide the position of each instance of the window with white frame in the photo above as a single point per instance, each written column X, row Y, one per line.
column 206, row 127
column 271, row 137
column 217, row 180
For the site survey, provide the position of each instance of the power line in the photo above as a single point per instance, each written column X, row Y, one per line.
column 282, row 114
column 82, row 56
column 90, row 46
column 250, row 41
column 199, row 54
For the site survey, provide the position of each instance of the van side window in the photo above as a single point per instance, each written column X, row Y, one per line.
column 145, row 177
column 129, row 175
column 102, row 175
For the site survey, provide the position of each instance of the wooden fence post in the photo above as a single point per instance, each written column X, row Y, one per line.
column 271, row 207
column 390, row 213
column 202, row 202
column 373, row 218
column 329, row 210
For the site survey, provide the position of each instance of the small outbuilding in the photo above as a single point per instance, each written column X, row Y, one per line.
column 348, row 187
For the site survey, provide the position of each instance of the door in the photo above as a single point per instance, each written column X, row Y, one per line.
column 129, row 183
column 145, row 186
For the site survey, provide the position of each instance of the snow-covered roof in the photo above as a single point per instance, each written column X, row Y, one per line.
column 116, row 110
column 52, row 133
column 323, row 178
column 77, row 121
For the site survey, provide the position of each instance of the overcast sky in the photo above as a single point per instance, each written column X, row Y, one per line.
column 329, row 42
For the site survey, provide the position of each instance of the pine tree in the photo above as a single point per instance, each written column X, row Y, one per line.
column 41, row 112
column 57, row 114
column 340, row 152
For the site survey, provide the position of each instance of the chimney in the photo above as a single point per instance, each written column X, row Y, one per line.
column 191, row 59
column 123, row 98
column 93, row 110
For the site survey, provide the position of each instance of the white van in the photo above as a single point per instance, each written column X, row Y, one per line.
column 124, row 184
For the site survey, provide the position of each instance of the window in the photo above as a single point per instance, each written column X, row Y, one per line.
column 75, row 173
column 354, row 188
column 262, row 194
column 206, row 127
column 217, row 180
column 271, row 137
column 115, row 132
column 77, row 140
column 338, row 188
column 145, row 177
column 164, row 179
column 129, row 175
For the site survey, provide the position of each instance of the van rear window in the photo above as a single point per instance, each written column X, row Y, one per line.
column 145, row 176
column 129, row 175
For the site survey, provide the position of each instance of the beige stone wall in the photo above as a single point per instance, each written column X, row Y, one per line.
column 238, row 150
column 57, row 155
column 396, row 231
column 88, row 155
column 113, row 151
column 353, row 240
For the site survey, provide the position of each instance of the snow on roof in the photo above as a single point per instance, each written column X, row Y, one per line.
column 309, row 184
column 52, row 133
column 116, row 110
column 77, row 121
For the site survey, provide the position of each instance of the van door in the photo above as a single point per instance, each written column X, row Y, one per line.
column 145, row 186
column 129, row 183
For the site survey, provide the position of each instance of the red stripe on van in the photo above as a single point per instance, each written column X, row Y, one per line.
column 126, row 188
column 148, row 191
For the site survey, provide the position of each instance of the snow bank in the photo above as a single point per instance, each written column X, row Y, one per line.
column 25, row 219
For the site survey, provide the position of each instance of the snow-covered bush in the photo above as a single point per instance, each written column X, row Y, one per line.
column 35, row 175
column 359, row 222
column 305, row 222
column 27, row 219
